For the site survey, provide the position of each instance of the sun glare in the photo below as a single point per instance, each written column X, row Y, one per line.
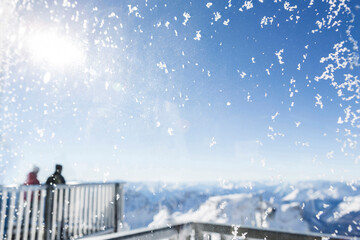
column 52, row 49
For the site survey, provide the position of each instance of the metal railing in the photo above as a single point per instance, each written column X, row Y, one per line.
column 209, row 231
column 44, row 212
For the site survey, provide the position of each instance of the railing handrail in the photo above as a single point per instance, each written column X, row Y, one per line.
column 17, row 186
column 169, row 230
column 254, row 232
column 185, row 229
column 23, row 186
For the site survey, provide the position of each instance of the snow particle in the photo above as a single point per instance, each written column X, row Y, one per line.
column 47, row 77
column 226, row 23
column 217, row 16
column 187, row 17
column 278, row 54
column 318, row 101
column 212, row 142
column 198, row 35
column 275, row 115
column 170, row 131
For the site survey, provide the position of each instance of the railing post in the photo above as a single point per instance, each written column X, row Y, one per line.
column 119, row 206
column 199, row 235
column 48, row 211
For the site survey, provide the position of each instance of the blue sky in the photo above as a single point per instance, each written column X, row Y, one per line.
column 181, row 90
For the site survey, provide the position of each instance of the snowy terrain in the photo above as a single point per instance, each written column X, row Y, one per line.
column 325, row 207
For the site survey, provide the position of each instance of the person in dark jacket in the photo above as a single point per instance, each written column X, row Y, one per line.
column 56, row 177
column 32, row 177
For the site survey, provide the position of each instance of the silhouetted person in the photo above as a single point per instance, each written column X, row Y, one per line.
column 56, row 177
column 32, row 176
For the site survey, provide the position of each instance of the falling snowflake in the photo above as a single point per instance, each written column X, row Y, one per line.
column 278, row 54
column 212, row 142
column 198, row 35
column 226, row 23
column 217, row 16
column 170, row 131
column 187, row 17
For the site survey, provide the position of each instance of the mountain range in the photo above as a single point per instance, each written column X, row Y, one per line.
column 312, row 206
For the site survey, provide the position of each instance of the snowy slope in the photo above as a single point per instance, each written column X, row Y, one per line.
column 244, row 209
column 326, row 207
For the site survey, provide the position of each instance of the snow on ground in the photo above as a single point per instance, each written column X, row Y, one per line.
column 291, row 196
column 350, row 204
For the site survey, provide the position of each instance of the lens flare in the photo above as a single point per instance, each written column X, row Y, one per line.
column 55, row 50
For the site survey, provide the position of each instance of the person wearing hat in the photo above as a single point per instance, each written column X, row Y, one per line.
column 32, row 176
column 56, row 177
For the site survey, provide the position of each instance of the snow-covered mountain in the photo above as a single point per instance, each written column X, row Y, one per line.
column 327, row 207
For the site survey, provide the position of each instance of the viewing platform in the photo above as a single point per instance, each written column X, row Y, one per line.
column 60, row 212
column 95, row 211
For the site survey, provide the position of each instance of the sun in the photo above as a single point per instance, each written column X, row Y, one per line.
column 50, row 48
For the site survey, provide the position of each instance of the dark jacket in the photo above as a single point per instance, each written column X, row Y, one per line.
column 55, row 178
